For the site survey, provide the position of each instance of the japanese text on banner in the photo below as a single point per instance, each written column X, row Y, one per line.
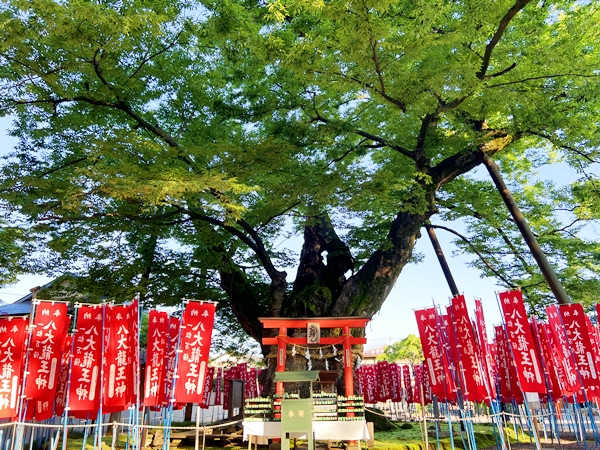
column 84, row 392
column 46, row 344
column 13, row 331
column 521, row 343
column 197, row 326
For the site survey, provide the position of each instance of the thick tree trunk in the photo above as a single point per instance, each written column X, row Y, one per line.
column 363, row 293
column 320, row 277
column 321, row 288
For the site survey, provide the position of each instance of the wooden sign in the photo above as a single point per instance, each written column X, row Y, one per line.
column 313, row 333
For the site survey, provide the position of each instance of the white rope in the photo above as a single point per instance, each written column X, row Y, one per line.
column 235, row 422
column 461, row 419
column 49, row 425
column 158, row 427
column 118, row 424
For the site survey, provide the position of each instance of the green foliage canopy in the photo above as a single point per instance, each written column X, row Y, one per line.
column 408, row 349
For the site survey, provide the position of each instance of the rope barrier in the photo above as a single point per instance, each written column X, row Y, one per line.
column 118, row 424
column 489, row 417
column 466, row 419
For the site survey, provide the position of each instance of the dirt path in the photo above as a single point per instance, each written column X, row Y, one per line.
column 549, row 445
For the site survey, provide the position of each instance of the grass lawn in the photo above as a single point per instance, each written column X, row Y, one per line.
column 406, row 437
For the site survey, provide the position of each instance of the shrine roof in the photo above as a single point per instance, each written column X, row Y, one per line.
column 15, row 309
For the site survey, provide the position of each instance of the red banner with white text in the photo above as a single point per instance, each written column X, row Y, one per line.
column 207, row 391
column 63, row 377
column 84, row 391
column 436, row 362
column 553, row 370
column 484, row 349
column 408, row 389
column 521, row 343
column 170, row 359
column 576, row 328
column 119, row 358
column 396, row 383
column 507, row 374
column 13, row 332
column 468, row 360
column 369, row 383
column 558, row 341
column 156, row 352
column 47, row 339
column 219, row 387
column 197, row 326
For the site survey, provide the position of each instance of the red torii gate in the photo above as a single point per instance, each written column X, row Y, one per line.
column 282, row 339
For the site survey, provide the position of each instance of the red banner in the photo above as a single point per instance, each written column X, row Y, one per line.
column 369, row 391
column 198, row 321
column 134, row 344
column 396, row 383
column 119, row 358
column 251, row 382
column 554, row 371
column 430, row 332
column 207, row 390
column 593, row 392
column 48, row 335
column 44, row 409
column 167, row 392
column 575, row 324
column 383, row 382
column 426, row 385
column 358, row 380
column 156, row 352
column 408, row 390
column 84, row 392
column 422, row 391
column 13, row 331
column 63, row 377
column 557, row 339
column 484, row 349
column 468, row 361
column 507, row 374
column 529, row 370
column 226, row 386
column 219, row 387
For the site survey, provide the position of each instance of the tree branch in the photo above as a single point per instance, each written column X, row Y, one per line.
column 460, row 163
column 260, row 250
column 232, row 230
column 563, row 146
column 372, row 137
column 487, row 56
column 420, row 155
column 542, row 77
column 502, row 72
column 155, row 54
column 481, row 257
column 565, row 229
column 274, row 216
column 514, row 251
column 381, row 91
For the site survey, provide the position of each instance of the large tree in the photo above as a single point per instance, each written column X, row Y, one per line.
column 174, row 147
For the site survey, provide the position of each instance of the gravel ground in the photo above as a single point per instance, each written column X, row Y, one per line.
column 564, row 444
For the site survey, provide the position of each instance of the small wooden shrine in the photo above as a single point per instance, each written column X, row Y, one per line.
column 313, row 325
